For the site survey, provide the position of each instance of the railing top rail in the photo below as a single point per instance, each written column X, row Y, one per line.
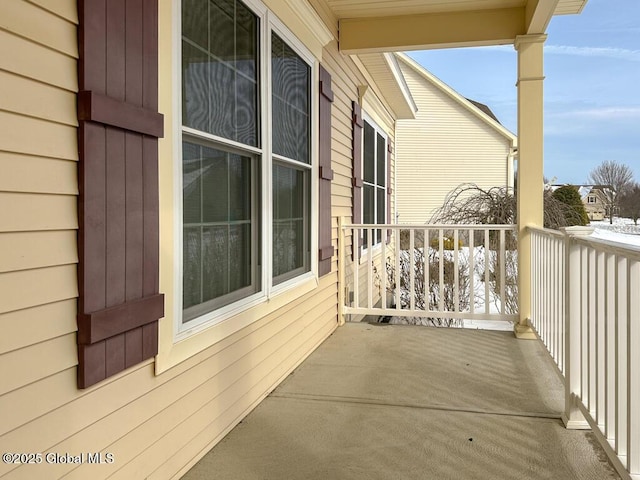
column 431, row 226
column 546, row 231
column 609, row 246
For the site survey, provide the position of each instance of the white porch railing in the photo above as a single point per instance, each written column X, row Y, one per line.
column 548, row 290
column 586, row 310
column 445, row 272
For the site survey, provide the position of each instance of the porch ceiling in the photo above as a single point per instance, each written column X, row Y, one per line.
column 382, row 25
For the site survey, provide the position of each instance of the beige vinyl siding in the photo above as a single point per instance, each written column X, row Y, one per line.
column 38, row 191
column 444, row 146
column 38, row 213
column 156, row 425
column 343, row 74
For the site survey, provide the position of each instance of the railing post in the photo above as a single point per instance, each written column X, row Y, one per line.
column 342, row 255
column 572, row 416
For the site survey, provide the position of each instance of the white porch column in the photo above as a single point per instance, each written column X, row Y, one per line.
column 530, row 165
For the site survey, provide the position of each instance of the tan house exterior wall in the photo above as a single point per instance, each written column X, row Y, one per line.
column 595, row 210
column 159, row 417
column 446, row 145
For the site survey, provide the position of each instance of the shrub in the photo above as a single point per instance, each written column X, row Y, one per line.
column 575, row 214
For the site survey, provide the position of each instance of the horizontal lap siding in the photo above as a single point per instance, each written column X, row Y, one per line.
column 156, row 425
column 38, row 211
column 444, row 146
column 38, row 194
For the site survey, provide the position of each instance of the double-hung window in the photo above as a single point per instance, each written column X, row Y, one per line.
column 246, row 157
column 374, row 168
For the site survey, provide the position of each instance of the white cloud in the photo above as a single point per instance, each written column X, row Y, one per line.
column 602, row 113
column 606, row 52
column 617, row 53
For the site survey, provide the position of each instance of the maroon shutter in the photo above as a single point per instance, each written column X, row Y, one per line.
column 389, row 188
column 325, row 250
column 119, row 125
column 356, row 182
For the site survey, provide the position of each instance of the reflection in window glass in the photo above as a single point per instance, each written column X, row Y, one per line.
column 220, row 69
column 374, row 162
column 291, row 229
column 220, row 228
column 291, row 100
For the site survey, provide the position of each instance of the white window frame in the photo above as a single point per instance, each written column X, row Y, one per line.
column 268, row 23
column 379, row 130
column 592, row 199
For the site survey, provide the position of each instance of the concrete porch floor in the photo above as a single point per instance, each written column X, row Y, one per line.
column 403, row 402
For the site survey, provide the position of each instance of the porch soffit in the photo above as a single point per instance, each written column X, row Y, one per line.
column 383, row 25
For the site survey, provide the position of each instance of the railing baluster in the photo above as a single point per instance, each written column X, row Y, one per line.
column 584, row 326
column 622, row 326
column 456, row 273
column 600, row 340
column 472, row 274
column 553, row 296
column 503, row 276
column 552, row 299
column 425, row 268
column 561, row 304
column 633, row 366
column 412, row 270
column 591, row 295
column 370, row 241
column 383, row 268
column 355, row 240
column 610, row 374
column 398, row 273
column 487, row 299
column 441, row 270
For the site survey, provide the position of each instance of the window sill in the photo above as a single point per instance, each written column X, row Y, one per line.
column 175, row 349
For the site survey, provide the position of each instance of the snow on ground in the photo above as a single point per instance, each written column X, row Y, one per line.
column 623, row 230
column 479, row 299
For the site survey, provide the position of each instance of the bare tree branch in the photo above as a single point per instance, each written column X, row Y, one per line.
column 618, row 177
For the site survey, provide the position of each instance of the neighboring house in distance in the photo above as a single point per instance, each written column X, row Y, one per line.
column 594, row 198
column 452, row 140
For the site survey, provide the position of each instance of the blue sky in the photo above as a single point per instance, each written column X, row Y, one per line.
column 591, row 90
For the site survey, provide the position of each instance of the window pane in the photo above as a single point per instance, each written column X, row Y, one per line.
column 369, row 153
column 368, row 210
column 192, row 263
column 368, row 206
column 215, row 183
column 381, row 154
column 381, row 214
column 291, row 102
column 239, row 185
column 221, row 29
column 246, row 42
column 220, row 228
column 219, row 69
column 215, row 262
column 246, row 113
column 195, row 87
column 291, row 233
column 194, row 22
column 191, row 181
